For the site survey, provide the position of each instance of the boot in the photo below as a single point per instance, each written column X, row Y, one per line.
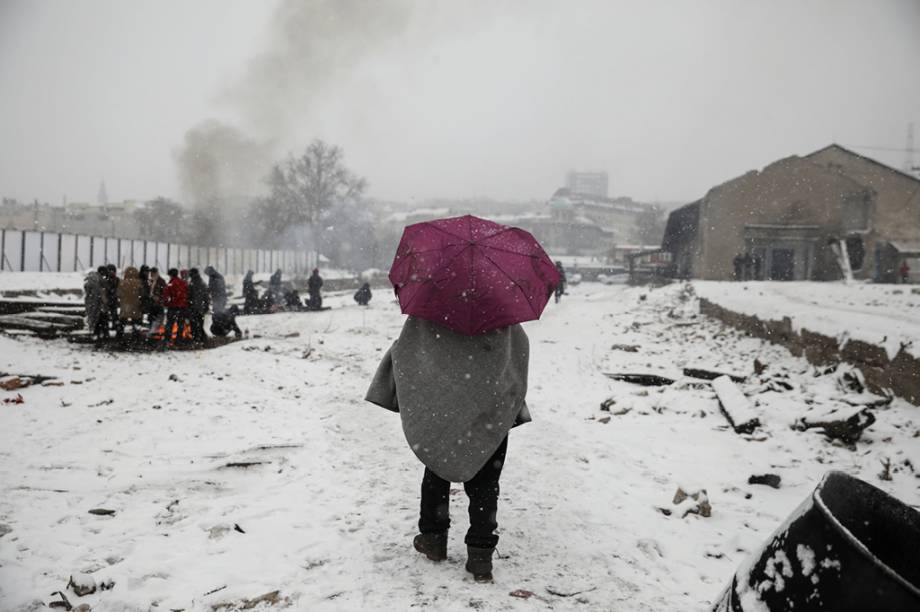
column 432, row 545
column 479, row 563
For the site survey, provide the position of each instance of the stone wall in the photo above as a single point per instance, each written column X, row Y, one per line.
column 900, row 376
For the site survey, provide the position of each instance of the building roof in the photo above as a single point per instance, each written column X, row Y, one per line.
column 682, row 224
column 863, row 158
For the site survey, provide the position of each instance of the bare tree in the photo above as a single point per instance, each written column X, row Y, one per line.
column 160, row 219
column 302, row 190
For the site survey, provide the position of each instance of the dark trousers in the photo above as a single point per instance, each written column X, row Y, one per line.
column 177, row 316
column 482, row 490
column 197, row 323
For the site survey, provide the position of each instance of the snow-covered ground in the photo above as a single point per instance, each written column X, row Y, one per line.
column 883, row 315
column 328, row 515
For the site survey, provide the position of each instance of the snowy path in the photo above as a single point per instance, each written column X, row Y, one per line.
column 330, row 511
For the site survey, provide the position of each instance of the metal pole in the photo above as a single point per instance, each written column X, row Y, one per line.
column 92, row 240
column 60, row 240
column 2, row 249
column 118, row 261
column 168, row 245
column 226, row 260
column 105, row 250
column 76, row 251
column 22, row 251
column 132, row 252
column 41, row 251
column 145, row 252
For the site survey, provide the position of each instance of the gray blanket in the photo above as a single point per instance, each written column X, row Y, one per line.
column 457, row 395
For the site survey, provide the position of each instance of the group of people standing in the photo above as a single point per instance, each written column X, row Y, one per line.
column 142, row 299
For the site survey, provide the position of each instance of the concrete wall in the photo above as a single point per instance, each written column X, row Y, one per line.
column 791, row 191
column 900, row 376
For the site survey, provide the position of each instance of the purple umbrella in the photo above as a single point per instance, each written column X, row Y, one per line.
column 471, row 275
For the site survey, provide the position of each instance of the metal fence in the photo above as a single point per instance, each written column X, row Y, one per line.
column 29, row 251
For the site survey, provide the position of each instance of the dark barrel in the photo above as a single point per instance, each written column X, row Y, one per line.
column 849, row 547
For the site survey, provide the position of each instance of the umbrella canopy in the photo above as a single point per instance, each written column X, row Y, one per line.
column 471, row 275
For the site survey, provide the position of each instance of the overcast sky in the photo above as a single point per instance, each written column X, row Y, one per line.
column 453, row 99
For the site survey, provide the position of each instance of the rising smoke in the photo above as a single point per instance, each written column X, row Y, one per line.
column 278, row 100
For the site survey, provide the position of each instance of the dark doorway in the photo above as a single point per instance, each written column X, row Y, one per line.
column 782, row 266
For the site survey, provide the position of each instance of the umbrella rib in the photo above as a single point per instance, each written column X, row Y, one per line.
column 441, row 229
column 524, row 293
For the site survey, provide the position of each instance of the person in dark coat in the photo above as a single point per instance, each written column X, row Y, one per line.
column 363, row 295
column 222, row 323
column 314, row 284
column 217, row 288
column 251, row 304
column 457, row 397
column 157, row 287
column 94, row 302
column 144, row 274
column 560, row 288
column 198, row 302
column 175, row 299
column 273, row 300
column 904, row 272
column 111, row 296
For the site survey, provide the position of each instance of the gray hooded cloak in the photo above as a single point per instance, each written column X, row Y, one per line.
column 457, row 395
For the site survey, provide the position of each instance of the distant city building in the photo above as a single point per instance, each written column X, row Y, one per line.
column 587, row 183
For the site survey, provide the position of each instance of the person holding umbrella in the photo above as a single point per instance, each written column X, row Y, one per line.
column 457, row 374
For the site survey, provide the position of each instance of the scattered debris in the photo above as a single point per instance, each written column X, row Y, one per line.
column 711, row 375
column 735, row 406
column 236, row 527
column 607, row 403
column 212, row 591
column 694, row 502
column 646, row 380
column 5, row 529
column 15, row 382
column 847, row 430
column 271, row 598
column 292, row 335
column 14, row 400
column 63, row 603
column 557, row 593
column 102, row 403
column 604, row 420
column 629, row 348
column 759, row 367
column 885, row 474
column 244, row 464
column 771, row 480
column 83, row 607
column 522, row 593
column 851, row 380
column 174, row 378
column 102, row 512
column 82, row 584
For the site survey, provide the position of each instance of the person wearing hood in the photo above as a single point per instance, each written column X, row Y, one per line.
column 458, row 396
column 251, row 303
column 198, row 301
column 363, row 295
column 217, row 289
column 222, row 323
column 130, row 294
column 314, row 284
column 94, row 302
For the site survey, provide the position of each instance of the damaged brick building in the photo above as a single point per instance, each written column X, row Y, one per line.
column 819, row 217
